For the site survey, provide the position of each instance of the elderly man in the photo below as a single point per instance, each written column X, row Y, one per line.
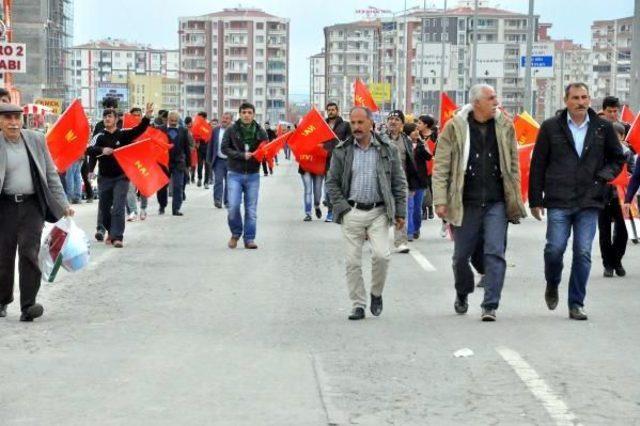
column 30, row 193
column 476, row 188
column 575, row 155
column 368, row 192
column 179, row 163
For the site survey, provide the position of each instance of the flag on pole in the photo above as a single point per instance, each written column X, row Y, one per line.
column 129, row 121
column 362, row 97
column 201, row 129
column 160, row 144
column 67, row 139
column 139, row 162
column 447, row 109
column 626, row 116
column 526, row 128
column 307, row 142
column 268, row 150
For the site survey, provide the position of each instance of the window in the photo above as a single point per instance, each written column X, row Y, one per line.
column 260, row 26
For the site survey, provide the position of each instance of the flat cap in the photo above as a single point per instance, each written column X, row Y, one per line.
column 10, row 109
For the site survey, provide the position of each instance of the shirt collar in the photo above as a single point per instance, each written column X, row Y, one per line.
column 584, row 123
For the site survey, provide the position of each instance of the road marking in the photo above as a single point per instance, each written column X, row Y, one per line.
column 556, row 407
column 335, row 416
column 422, row 261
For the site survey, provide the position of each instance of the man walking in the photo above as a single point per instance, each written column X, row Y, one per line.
column 113, row 184
column 218, row 162
column 201, row 147
column 476, row 188
column 239, row 142
column 342, row 130
column 179, row 162
column 575, row 155
column 30, row 193
column 368, row 192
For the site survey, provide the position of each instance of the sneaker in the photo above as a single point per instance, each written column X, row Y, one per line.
column 402, row 248
column 307, row 218
column 143, row 214
column 132, row 217
column 461, row 305
column 488, row 315
column 329, row 217
column 318, row 212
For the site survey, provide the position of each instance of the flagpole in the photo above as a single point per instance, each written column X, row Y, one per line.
column 424, row 11
column 527, row 72
column 474, row 68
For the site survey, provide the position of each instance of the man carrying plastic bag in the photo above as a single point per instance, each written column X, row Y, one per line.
column 30, row 193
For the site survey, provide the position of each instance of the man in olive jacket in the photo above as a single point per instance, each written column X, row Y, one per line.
column 476, row 188
column 575, row 155
column 368, row 191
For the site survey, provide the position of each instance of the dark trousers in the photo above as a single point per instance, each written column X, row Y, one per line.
column 489, row 223
column 202, row 155
column 113, row 201
column 162, row 195
column 84, row 171
column 612, row 250
column 20, row 229
column 177, row 184
column 220, row 186
column 477, row 258
column 266, row 169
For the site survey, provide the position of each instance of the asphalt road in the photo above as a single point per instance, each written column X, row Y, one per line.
column 177, row 329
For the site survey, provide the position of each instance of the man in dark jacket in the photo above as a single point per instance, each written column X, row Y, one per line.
column 575, row 155
column 113, row 184
column 218, row 162
column 239, row 143
column 342, row 129
column 179, row 163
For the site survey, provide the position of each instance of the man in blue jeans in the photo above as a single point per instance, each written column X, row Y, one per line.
column 218, row 162
column 239, row 143
column 575, row 155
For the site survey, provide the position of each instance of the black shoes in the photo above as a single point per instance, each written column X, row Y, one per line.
column 620, row 271
column 161, row 211
column 178, row 213
column 32, row 312
column 578, row 313
column 376, row 305
column 99, row 236
column 206, row 186
column 416, row 235
column 461, row 305
column 199, row 184
column 307, row 218
column 608, row 272
column 488, row 315
column 551, row 297
column 3, row 311
column 318, row 213
column 218, row 204
column 357, row 314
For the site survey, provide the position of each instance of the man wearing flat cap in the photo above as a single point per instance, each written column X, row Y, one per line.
column 30, row 193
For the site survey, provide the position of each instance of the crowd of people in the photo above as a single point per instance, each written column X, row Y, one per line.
column 397, row 174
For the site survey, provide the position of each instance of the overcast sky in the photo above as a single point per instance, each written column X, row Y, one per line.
column 155, row 22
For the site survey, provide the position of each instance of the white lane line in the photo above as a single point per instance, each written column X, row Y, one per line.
column 335, row 416
column 556, row 407
column 422, row 261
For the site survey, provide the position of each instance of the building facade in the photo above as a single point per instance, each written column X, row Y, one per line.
column 46, row 26
column 163, row 92
column 611, row 45
column 234, row 56
column 317, row 81
column 107, row 66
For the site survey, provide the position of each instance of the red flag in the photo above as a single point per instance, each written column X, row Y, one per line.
column 447, row 109
column 201, row 129
column 161, row 144
column 524, row 155
column 621, row 182
column 67, row 139
column 129, row 121
column 626, row 116
column 526, row 129
column 362, row 97
column 633, row 136
column 138, row 161
column 432, row 149
column 307, row 142
column 268, row 150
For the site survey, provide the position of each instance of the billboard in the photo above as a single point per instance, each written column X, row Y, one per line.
column 13, row 57
column 119, row 91
column 490, row 60
column 381, row 92
column 54, row 104
column 431, row 62
column 541, row 60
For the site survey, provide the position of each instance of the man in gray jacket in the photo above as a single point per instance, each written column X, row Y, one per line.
column 368, row 191
column 30, row 193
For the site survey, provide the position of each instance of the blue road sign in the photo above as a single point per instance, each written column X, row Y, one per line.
column 538, row 61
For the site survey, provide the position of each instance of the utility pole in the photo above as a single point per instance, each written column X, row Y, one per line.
column 422, row 31
column 528, row 98
column 474, row 66
column 635, row 59
column 442, row 57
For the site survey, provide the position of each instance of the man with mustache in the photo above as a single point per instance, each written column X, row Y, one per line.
column 30, row 193
column 575, row 155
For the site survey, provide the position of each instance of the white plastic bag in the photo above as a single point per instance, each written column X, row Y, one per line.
column 65, row 245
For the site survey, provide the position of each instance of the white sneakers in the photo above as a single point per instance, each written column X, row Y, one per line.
column 132, row 217
column 402, row 248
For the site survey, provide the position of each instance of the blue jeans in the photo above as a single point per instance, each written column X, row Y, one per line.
column 560, row 222
column 312, row 190
column 248, row 185
column 220, row 183
column 414, row 212
column 73, row 179
column 491, row 222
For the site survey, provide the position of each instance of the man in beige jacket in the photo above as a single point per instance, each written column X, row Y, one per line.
column 476, row 186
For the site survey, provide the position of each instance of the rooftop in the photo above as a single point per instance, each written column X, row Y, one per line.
column 117, row 44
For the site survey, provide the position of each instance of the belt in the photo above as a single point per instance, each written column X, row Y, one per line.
column 365, row 206
column 17, row 198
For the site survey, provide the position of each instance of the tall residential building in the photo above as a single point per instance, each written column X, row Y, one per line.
column 611, row 45
column 405, row 51
column 46, row 26
column 100, row 68
column 234, row 56
column 162, row 91
column 317, row 81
